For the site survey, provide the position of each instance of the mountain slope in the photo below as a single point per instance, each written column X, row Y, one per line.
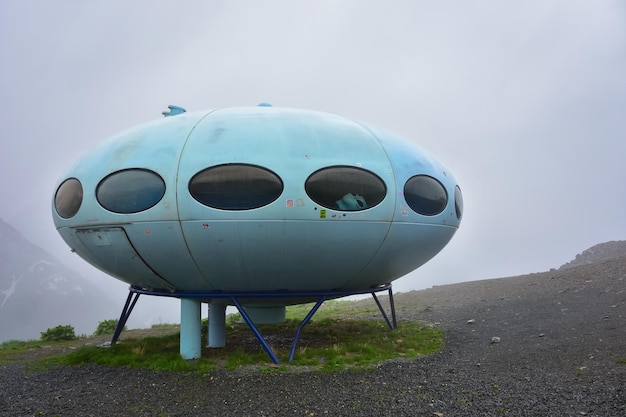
column 37, row 292
column 598, row 253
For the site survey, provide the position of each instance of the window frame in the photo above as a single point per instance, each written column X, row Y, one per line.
column 313, row 194
column 413, row 206
column 230, row 207
column 80, row 194
column 143, row 207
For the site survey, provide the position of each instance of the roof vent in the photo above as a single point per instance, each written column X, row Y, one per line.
column 173, row 111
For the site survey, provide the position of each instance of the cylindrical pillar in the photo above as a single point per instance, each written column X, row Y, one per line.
column 217, row 324
column 190, row 328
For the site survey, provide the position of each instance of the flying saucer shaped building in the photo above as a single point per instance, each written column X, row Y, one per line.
column 273, row 206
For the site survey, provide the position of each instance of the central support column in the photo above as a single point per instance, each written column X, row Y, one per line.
column 190, row 328
column 217, row 324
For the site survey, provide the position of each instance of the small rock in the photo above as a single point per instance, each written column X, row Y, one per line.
column 541, row 335
column 470, row 321
column 495, row 339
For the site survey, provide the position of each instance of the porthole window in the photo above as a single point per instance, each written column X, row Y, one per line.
column 130, row 191
column 236, row 187
column 345, row 188
column 458, row 202
column 425, row 195
column 68, row 198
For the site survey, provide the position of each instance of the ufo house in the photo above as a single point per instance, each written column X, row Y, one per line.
column 257, row 207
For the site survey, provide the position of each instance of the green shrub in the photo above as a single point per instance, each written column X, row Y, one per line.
column 106, row 327
column 59, row 333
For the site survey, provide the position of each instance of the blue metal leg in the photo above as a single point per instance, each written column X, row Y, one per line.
column 302, row 324
column 128, row 308
column 393, row 324
column 392, row 305
column 254, row 329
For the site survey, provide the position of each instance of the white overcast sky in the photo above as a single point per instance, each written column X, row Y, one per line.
column 524, row 101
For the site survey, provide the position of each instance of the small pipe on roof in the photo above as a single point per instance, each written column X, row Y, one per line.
column 173, row 111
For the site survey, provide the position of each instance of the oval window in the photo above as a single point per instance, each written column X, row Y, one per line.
column 425, row 195
column 458, row 202
column 345, row 188
column 68, row 198
column 130, row 191
column 235, row 187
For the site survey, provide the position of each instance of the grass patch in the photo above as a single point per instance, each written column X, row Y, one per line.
column 326, row 344
column 164, row 326
column 24, row 350
column 621, row 361
column 19, row 345
column 338, row 309
column 340, row 336
column 158, row 353
column 339, row 344
column 10, row 348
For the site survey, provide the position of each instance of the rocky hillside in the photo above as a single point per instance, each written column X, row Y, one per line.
column 37, row 292
column 598, row 253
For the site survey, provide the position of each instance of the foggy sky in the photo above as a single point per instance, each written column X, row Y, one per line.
column 525, row 102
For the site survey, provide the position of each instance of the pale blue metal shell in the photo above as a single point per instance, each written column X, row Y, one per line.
column 291, row 244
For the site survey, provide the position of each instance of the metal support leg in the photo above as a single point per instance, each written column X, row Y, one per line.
column 302, row 324
column 254, row 329
column 393, row 324
column 233, row 297
column 296, row 337
column 392, row 306
column 128, row 308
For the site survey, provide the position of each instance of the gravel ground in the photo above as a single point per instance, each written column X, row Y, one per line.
column 560, row 352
